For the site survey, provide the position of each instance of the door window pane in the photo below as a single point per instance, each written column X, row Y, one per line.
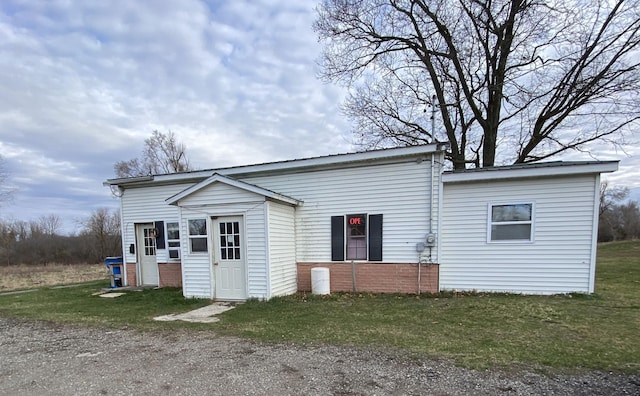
column 230, row 240
column 149, row 242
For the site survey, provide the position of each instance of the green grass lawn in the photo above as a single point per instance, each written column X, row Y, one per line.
column 600, row 331
column 79, row 305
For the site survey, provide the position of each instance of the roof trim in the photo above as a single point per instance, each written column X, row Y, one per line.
column 289, row 165
column 217, row 178
column 540, row 169
column 136, row 179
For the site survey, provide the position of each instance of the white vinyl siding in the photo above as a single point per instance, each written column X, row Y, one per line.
column 400, row 191
column 282, row 251
column 146, row 205
column 557, row 261
column 256, row 252
column 220, row 194
column 225, row 200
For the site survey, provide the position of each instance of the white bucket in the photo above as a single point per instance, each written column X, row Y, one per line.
column 320, row 283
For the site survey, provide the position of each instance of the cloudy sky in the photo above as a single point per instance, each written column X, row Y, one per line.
column 83, row 83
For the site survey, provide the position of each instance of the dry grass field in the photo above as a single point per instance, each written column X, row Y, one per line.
column 18, row 277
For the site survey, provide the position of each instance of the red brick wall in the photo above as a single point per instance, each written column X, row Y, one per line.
column 370, row 277
column 170, row 274
column 374, row 277
column 131, row 274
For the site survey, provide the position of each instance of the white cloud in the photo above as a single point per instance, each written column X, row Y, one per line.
column 85, row 82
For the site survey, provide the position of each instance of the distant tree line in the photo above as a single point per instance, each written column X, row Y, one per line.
column 619, row 217
column 39, row 242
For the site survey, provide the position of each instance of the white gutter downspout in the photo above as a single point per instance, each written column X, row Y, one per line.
column 267, row 228
column 433, row 163
column 123, row 231
column 440, row 211
column 594, row 236
column 432, row 204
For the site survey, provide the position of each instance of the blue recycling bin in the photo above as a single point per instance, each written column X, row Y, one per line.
column 115, row 267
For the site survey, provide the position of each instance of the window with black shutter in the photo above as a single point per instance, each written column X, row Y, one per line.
column 375, row 237
column 159, row 231
column 337, row 238
column 356, row 237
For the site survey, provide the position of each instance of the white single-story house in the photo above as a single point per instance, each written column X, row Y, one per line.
column 387, row 220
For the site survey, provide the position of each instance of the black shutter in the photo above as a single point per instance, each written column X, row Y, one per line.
column 159, row 226
column 337, row 238
column 375, row 237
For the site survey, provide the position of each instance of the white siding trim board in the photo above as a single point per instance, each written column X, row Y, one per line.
column 267, row 246
column 594, row 236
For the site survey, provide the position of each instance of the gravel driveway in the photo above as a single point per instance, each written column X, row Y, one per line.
column 43, row 359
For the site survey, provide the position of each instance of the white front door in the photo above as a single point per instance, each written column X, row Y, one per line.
column 229, row 258
column 147, row 263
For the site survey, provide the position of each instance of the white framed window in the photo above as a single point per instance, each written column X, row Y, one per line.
column 198, row 236
column 173, row 240
column 511, row 222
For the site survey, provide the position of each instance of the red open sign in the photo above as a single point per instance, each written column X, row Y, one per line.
column 355, row 221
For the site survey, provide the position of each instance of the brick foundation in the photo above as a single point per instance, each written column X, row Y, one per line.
column 370, row 277
column 374, row 277
column 131, row 274
column 170, row 274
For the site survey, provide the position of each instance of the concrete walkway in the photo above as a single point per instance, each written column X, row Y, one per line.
column 200, row 315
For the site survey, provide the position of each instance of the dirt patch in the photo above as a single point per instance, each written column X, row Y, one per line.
column 41, row 358
column 16, row 277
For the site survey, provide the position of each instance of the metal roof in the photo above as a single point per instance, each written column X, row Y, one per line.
column 531, row 165
column 534, row 169
column 294, row 164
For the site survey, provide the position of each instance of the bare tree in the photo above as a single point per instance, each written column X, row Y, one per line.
column 162, row 154
column 50, row 224
column 618, row 219
column 610, row 196
column 629, row 215
column 513, row 81
column 103, row 227
column 7, row 242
